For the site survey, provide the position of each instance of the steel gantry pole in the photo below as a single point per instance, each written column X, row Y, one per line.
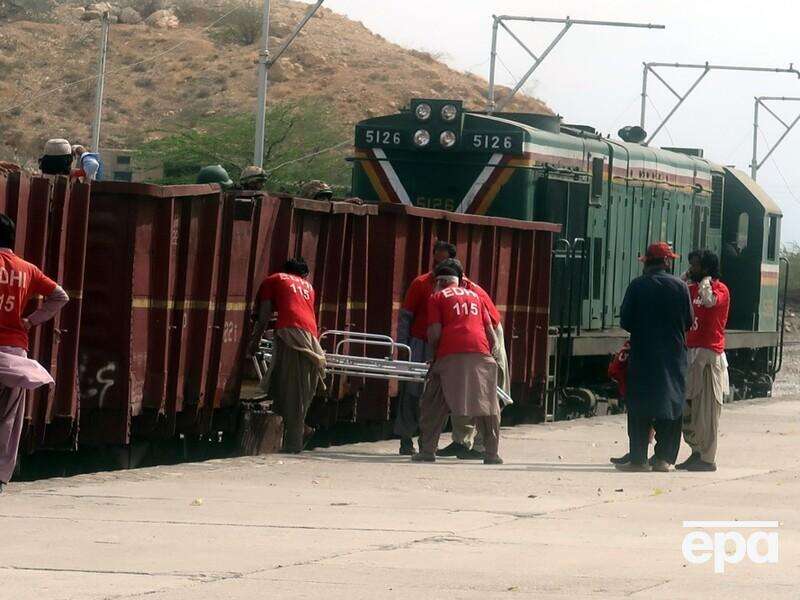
column 263, row 81
column 760, row 101
column 499, row 21
column 264, row 64
column 650, row 67
column 493, row 63
column 101, row 79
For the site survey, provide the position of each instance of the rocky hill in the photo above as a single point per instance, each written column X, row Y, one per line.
column 173, row 67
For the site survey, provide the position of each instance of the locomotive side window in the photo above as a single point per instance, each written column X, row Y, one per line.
column 772, row 240
column 597, row 176
column 743, row 231
column 717, row 184
column 597, row 281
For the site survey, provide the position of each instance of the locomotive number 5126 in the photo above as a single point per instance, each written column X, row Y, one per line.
column 507, row 143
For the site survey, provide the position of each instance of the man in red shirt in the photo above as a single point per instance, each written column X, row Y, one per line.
column 412, row 329
column 462, row 379
column 467, row 442
column 20, row 281
column 298, row 361
column 707, row 377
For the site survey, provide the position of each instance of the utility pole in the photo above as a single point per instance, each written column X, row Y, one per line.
column 264, row 64
column 263, row 81
column 101, row 76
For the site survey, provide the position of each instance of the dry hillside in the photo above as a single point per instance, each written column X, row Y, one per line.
column 360, row 72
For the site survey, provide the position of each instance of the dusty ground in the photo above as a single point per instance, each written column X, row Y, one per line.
column 360, row 522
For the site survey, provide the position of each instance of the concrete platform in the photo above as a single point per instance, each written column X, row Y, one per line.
column 358, row 522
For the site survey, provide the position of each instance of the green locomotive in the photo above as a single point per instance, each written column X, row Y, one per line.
column 612, row 197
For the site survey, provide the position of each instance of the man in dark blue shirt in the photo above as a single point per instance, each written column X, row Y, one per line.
column 657, row 312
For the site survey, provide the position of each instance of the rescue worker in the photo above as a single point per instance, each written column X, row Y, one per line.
column 467, row 442
column 462, row 379
column 252, row 178
column 215, row 174
column 298, row 361
column 88, row 165
column 19, row 282
column 57, row 158
column 657, row 312
column 412, row 330
column 707, row 378
column 316, row 190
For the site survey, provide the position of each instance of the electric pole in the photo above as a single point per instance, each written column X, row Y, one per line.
column 101, row 75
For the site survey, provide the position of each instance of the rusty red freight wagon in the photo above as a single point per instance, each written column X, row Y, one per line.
column 162, row 279
column 52, row 216
column 362, row 258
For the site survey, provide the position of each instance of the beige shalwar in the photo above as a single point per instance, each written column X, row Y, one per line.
column 296, row 371
column 706, row 386
column 464, row 430
column 464, row 385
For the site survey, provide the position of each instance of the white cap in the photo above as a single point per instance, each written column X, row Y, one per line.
column 57, row 147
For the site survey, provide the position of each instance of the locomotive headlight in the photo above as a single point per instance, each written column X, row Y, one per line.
column 423, row 112
column 449, row 113
column 422, row 138
column 447, row 139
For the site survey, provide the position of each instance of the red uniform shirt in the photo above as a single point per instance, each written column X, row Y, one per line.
column 708, row 329
column 416, row 302
column 618, row 369
column 19, row 281
column 494, row 314
column 293, row 298
column 463, row 318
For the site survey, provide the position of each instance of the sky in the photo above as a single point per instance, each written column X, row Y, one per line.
column 594, row 75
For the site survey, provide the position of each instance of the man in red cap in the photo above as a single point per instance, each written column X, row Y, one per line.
column 657, row 312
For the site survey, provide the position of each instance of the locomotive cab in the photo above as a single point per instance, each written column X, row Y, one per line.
column 750, row 253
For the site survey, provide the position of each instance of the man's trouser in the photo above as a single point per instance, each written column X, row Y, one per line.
column 701, row 418
column 668, row 438
column 406, row 422
column 464, row 430
column 433, row 415
column 12, row 415
column 293, row 385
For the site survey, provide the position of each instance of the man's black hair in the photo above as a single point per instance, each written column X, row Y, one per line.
column 695, row 254
column 655, row 262
column 8, row 232
column 452, row 266
column 447, row 246
column 710, row 263
column 296, row 266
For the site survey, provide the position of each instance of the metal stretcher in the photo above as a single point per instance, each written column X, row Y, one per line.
column 389, row 367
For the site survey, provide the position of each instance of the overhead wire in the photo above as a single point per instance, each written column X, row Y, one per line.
column 666, row 129
column 307, row 156
column 778, row 169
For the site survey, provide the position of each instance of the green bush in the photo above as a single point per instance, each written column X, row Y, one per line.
column 242, row 26
column 294, row 131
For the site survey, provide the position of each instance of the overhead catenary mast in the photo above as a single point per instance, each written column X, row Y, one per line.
column 500, row 21
column 101, row 77
column 264, row 64
column 761, row 101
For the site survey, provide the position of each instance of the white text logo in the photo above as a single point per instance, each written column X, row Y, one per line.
column 760, row 545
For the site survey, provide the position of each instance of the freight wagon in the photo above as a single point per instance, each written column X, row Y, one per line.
column 161, row 279
column 612, row 197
